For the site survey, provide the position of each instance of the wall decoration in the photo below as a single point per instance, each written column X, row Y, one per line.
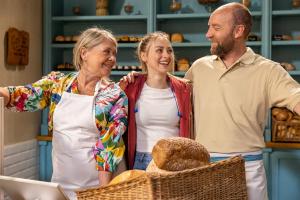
column 17, row 47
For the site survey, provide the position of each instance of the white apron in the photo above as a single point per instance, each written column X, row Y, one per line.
column 74, row 135
column 255, row 176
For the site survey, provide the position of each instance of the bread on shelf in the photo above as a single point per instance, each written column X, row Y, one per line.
column 183, row 64
column 177, row 37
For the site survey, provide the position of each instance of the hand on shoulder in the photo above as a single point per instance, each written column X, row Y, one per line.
column 129, row 78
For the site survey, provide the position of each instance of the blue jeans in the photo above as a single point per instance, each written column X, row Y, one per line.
column 142, row 160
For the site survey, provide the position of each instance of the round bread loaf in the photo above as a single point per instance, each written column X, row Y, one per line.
column 177, row 37
column 178, row 153
column 183, row 64
column 127, row 175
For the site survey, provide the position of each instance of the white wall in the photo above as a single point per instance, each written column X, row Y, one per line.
column 24, row 15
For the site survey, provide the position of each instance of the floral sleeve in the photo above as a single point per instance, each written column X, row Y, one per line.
column 34, row 96
column 110, row 148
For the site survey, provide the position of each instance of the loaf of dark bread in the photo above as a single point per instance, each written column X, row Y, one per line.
column 177, row 153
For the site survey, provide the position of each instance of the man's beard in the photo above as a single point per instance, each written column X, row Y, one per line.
column 223, row 48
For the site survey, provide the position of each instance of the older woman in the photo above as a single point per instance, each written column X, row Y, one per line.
column 159, row 103
column 88, row 114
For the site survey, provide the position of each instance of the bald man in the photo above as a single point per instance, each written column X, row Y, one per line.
column 233, row 90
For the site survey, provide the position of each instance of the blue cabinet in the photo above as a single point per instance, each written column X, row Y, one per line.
column 45, row 157
column 283, row 172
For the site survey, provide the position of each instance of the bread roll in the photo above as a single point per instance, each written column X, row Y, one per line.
column 59, row 38
column 127, row 175
column 177, row 37
column 178, row 153
column 183, row 64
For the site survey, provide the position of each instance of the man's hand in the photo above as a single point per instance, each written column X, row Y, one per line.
column 129, row 78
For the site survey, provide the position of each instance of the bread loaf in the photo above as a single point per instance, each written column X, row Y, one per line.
column 183, row 64
column 177, row 153
column 177, row 37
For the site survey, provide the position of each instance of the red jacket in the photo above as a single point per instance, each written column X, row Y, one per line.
column 183, row 93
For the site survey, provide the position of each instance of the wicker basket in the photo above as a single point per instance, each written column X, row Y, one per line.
column 220, row 180
column 285, row 131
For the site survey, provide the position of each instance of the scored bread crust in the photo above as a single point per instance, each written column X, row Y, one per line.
column 178, row 153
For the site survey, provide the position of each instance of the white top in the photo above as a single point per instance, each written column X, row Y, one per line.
column 156, row 117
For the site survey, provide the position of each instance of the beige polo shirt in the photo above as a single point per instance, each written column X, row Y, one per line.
column 231, row 106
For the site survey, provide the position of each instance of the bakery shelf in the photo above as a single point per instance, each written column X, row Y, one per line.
column 180, row 16
column 295, row 72
column 193, row 15
column 282, row 145
column 285, row 12
column 178, row 73
column 57, row 45
column 120, row 45
column 99, row 18
column 44, row 138
column 206, row 44
column 289, row 42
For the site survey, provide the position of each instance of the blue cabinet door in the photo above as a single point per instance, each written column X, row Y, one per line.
column 45, row 156
column 285, row 174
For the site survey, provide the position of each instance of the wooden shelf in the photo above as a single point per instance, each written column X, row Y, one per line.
column 281, row 145
column 44, row 138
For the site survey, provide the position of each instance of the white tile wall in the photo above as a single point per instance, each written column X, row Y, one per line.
column 22, row 160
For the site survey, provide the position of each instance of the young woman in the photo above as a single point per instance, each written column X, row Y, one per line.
column 87, row 116
column 159, row 103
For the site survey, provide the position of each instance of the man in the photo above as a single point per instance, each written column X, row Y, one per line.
column 233, row 90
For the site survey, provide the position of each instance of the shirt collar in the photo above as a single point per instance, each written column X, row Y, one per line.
column 247, row 58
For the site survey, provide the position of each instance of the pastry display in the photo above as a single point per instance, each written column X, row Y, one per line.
column 75, row 38
column 68, row 38
column 59, row 38
column 126, row 39
column 177, row 37
column 65, row 66
column 253, row 37
column 280, row 37
column 183, row 64
column 178, row 153
column 285, row 125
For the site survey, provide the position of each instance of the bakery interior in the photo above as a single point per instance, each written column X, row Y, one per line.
column 50, row 28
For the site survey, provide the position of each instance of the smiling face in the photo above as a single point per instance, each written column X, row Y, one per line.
column 99, row 59
column 159, row 56
column 221, row 32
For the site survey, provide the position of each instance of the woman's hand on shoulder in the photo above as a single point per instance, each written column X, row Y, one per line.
column 129, row 78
